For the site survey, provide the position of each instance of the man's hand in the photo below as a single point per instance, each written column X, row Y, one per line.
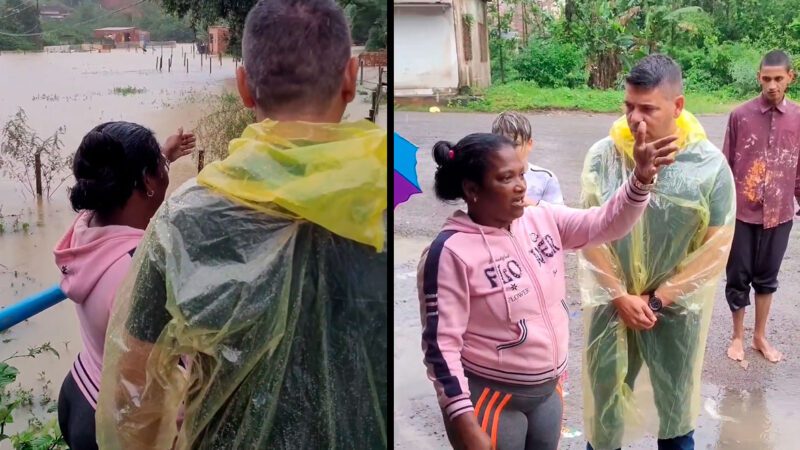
column 178, row 145
column 635, row 312
column 649, row 157
column 470, row 435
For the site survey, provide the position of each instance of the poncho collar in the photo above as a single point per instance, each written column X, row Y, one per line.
column 333, row 175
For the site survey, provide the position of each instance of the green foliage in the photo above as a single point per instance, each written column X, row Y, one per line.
column 718, row 43
column 128, row 90
column 204, row 13
column 227, row 122
column 367, row 20
column 19, row 17
column 20, row 145
column 39, row 435
column 526, row 96
column 550, row 63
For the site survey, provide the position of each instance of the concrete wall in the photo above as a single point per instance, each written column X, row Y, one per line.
column 475, row 72
column 425, row 53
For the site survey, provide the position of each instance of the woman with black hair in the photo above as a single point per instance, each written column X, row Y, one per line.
column 121, row 178
column 492, row 290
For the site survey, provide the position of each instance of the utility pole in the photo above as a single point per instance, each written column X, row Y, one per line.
column 502, row 45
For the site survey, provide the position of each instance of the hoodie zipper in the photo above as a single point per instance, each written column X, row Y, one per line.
column 542, row 305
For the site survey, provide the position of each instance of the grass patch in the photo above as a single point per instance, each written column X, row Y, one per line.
column 526, row 96
column 129, row 90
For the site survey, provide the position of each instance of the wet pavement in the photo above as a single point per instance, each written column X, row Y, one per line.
column 741, row 408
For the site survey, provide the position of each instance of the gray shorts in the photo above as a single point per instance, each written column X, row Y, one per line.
column 518, row 417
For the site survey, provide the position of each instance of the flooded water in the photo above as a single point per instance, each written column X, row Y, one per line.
column 76, row 90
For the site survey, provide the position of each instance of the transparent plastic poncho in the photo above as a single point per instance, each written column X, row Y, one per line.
column 255, row 315
column 638, row 382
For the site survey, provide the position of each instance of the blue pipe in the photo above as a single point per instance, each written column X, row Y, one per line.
column 30, row 306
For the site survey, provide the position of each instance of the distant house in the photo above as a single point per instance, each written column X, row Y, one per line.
column 54, row 12
column 121, row 35
column 440, row 46
column 218, row 38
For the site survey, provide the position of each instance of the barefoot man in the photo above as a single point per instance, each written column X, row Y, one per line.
column 762, row 145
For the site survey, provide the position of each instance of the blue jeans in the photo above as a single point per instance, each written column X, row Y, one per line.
column 685, row 442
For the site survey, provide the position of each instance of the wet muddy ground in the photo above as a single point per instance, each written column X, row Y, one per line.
column 77, row 90
column 741, row 409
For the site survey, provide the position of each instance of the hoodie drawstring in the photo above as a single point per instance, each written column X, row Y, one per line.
column 499, row 271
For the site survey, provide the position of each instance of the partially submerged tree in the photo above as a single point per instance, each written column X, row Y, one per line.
column 38, row 164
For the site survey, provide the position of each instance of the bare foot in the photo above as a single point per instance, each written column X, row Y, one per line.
column 767, row 350
column 736, row 350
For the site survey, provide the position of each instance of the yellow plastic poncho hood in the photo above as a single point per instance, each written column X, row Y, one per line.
column 255, row 313
column 292, row 165
column 689, row 131
column 678, row 250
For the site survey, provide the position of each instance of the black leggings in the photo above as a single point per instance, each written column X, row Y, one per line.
column 76, row 417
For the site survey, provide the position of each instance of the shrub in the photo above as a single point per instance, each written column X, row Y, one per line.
column 552, row 64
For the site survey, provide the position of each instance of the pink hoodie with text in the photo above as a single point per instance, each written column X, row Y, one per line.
column 93, row 262
column 492, row 301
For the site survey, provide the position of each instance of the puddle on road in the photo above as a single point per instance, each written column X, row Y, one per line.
column 729, row 419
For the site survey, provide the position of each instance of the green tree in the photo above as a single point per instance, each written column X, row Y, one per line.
column 19, row 18
column 368, row 15
column 204, row 13
column 367, row 22
column 606, row 30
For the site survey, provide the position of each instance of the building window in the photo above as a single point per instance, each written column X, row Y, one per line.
column 482, row 36
column 466, row 31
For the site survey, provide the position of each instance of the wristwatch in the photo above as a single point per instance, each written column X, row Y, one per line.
column 655, row 303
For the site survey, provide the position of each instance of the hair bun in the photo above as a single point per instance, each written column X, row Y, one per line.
column 443, row 152
column 101, row 173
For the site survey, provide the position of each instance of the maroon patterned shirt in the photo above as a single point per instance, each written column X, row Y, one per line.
column 762, row 145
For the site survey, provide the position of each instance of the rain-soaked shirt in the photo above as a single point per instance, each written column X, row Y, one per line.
column 762, row 146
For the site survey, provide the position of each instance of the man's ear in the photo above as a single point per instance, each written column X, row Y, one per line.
column 680, row 103
column 244, row 90
column 349, row 80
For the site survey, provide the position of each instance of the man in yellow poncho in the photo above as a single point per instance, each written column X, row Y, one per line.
column 648, row 297
column 256, row 314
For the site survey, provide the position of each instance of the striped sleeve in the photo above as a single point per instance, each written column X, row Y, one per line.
column 444, row 310
column 613, row 220
column 635, row 195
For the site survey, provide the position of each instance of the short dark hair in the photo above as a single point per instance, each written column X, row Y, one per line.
column 776, row 58
column 466, row 160
column 110, row 163
column 295, row 52
column 654, row 71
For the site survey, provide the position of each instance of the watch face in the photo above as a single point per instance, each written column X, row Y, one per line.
column 655, row 303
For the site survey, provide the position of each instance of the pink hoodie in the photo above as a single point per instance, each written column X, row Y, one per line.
column 93, row 261
column 492, row 300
